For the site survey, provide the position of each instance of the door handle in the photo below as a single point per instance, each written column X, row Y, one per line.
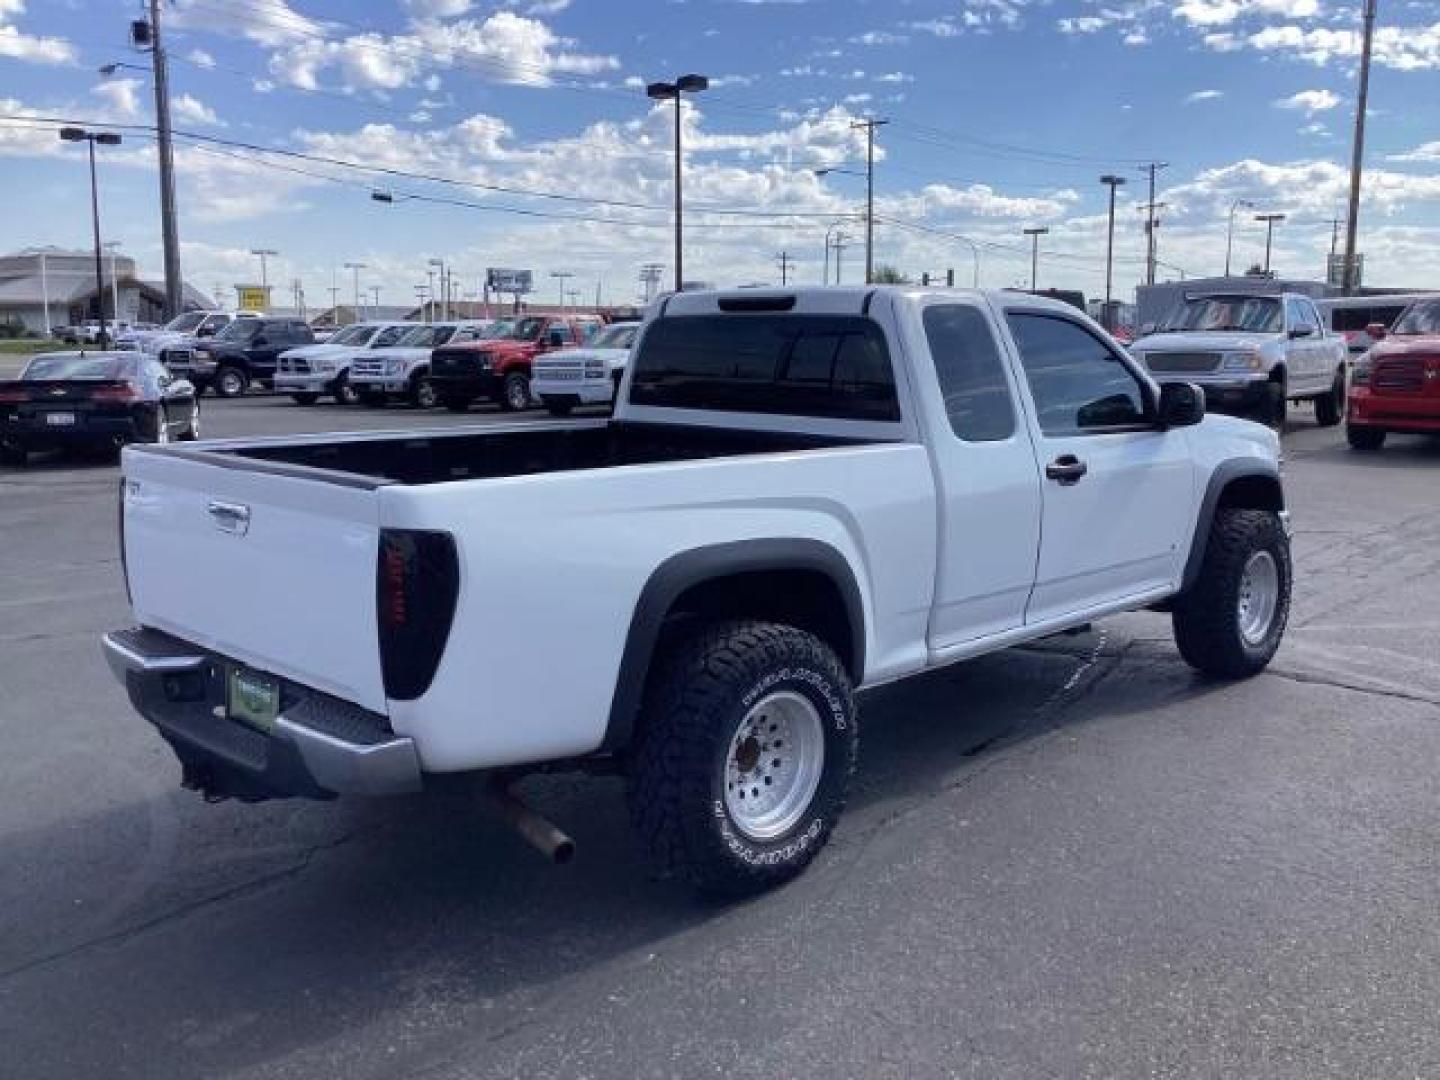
column 1066, row 469
column 230, row 517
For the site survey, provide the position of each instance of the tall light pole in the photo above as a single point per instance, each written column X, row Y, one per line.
column 1357, row 151
column 1035, row 232
column 668, row 91
column 1112, row 182
column 90, row 138
column 1269, row 220
column 264, row 253
column 1230, row 229
column 563, row 276
column 110, row 246
column 444, row 288
column 355, row 268
column 375, row 300
column 869, row 125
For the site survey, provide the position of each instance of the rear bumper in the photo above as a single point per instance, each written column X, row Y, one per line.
column 87, row 431
column 320, row 746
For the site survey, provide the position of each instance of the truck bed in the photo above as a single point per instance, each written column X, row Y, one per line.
column 524, row 449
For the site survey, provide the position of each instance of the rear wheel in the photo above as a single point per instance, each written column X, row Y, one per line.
column 1230, row 621
column 231, row 382
column 455, row 404
column 515, row 394
column 1330, row 407
column 422, row 392
column 1363, row 437
column 192, row 432
column 305, row 398
column 1272, row 409
column 743, row 757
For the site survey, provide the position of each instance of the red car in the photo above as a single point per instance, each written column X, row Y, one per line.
column 499, row 369
column 1396, row 385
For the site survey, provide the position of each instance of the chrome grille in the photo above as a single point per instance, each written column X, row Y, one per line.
column 294, row 366
column 1405, row 375
column 1169, row 362
column 370, row 367
column 561, row 371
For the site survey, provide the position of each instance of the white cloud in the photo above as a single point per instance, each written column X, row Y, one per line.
column 1223, row 42
column 879, row 37
column 21, row 46
column 546, row 7
column 895, row 77
column 438, row 9
column 856, row 99
column 121, row 96
column 272, row 23
column 1403, row 48
column 1081, row 24
column 189, row 109
column 1224, row 12
column 1203, row 95
column 1311, row 101
column 200, row 58
column 1427, row 153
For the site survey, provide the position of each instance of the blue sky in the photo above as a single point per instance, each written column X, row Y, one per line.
column 1003, row 114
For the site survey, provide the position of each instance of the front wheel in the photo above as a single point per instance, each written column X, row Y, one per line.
column 344, row 393
column 231, row 382
column 746, row 744
column 1272, row 408
column 422, row 393
column 1229, row 623
column 1330, row 407
column 515, row 394
column 1363, row 437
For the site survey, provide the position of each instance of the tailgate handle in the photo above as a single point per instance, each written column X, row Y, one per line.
column 230, row 517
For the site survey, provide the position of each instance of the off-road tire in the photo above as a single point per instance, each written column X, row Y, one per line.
column 1364, row 437
column 699, row 692
column 1206, row 617
column 422, row 392
column 343, row 392
column 230, row 382
column 1330, row 406
column 305, row 399
column 1274, row 406
column 515, row 392
column 455, row 404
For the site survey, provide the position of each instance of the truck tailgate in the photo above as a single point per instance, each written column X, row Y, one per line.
column 276, row 571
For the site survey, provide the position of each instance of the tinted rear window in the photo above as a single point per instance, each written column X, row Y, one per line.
column 833, row 366
column 1358, row 318
column 79, row 367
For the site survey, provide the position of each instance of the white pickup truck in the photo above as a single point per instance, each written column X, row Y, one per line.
column 801, row 494
column 1252, row 354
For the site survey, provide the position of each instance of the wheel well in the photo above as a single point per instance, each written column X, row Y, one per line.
column 1278, row 374
column 808, row 600
column 1253, row 492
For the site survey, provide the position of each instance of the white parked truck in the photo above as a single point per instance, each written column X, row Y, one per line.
column 311, row 371
column 1252, row 354
column 589, row 375
column 403, row 371
column 801, row 494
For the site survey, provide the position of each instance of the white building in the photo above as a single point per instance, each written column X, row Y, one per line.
column 42, row 288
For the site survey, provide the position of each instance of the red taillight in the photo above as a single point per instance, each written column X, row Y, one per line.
column 13, row 395
column 123, row 392
column 417, row 583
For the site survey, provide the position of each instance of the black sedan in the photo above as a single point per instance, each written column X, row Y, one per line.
column 93, row 400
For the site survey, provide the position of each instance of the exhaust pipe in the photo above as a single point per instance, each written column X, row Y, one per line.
column 539, row 832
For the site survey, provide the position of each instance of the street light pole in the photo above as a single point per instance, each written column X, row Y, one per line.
column 355, row 268
column 444, row 288
column 110, row 246
column 1269, row 220
column 1035, row 233
column 90, row 138
column 1357, row 152
column 1112, row 182
column 664, row 91
column 563, row 276
column 869, row 126
column 1230, row 229
column 264, row 273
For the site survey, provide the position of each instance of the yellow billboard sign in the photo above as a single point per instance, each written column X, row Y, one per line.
column 252, row 297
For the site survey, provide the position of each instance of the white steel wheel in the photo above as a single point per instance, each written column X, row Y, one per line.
column 774, row 765
column 1259, row 597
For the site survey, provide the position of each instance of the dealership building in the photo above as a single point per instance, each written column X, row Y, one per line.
column 41, row 288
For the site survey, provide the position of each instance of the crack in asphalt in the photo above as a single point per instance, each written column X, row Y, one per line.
column 118, row 937
column 1359, row 688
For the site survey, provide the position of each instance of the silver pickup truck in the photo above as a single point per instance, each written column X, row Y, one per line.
column 1252, row 354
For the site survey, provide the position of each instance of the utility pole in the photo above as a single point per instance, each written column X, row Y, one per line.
column 675, row 91
column 1112, row 182
column 840, row 243
column 355, row 268
column 1150, row 222
column 650, row 278
column 869, row 125
column 334, row 291
column 169, row 232
column 785, row 262
column 563, row 276
column 264, row 253
column 1357, row 156
column 1035, row 233
column 1269, row 220
column 375, row 297
column 299, row 287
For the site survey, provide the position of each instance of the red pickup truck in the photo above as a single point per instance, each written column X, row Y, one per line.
column 1396, row 385
column 499, row 369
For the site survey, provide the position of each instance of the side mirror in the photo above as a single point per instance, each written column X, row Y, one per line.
column 1182, row 404
column 1377, row 331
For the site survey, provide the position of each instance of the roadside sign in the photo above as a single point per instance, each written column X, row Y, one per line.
column 252, row 297
column 503, row 280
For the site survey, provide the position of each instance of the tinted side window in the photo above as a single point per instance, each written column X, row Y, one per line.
column 388, row 336
column 1078, row 384
column 833, row 366
column 971, row 372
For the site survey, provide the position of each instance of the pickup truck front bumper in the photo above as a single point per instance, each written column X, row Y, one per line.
column 319, row 746
column 1240, row 394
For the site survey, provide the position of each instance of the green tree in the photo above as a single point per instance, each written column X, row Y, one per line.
column 888, row 275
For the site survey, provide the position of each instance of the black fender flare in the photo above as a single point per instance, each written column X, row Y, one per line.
column 681, row 572
column 1226, row 473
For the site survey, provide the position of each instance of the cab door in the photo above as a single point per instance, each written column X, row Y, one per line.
column 1118, row 491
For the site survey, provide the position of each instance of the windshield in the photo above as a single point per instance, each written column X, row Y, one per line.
column 426, row 337
column 526, row 329
column 614, row 337
column 1421, row 317
column 64, row 366
column 1254, row 314
column 353, row 335
column 187, row 322
column 239, row 330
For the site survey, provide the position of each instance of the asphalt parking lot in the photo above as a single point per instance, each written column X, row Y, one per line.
column 1070, row 860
